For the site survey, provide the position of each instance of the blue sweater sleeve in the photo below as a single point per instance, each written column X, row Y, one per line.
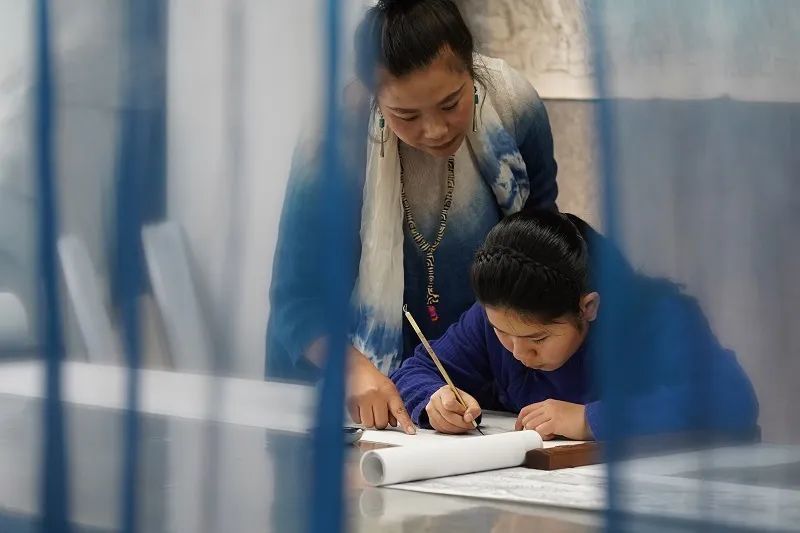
column 296, row 316
column 462, row 351
column 534, row 140
column 536, row 148
column 299, row 274
column 687, row 381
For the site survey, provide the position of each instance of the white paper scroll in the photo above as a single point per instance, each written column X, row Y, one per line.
column 448, row 458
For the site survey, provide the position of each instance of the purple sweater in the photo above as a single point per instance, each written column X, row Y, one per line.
column 680, row 367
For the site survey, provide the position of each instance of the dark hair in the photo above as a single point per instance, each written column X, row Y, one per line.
column 535, row 263
column 405, row 35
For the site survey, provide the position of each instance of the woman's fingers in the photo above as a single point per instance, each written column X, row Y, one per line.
column 380, row 412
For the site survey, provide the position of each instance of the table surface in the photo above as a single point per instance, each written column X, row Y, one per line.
column 229, row 455
column 233, row 474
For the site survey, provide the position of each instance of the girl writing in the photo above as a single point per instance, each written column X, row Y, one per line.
column 530, row 344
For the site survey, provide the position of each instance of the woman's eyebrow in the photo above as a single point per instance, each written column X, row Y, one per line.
column 444, row 100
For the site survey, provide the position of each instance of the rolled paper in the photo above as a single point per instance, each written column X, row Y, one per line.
column 448, row 458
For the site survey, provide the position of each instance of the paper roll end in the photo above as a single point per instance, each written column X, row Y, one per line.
column 532, row 439
column 372, row 468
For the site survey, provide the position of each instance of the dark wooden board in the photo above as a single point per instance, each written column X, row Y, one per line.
column 566, row 456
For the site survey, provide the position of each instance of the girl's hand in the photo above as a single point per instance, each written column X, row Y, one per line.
column 554, row 417
column 447, row 415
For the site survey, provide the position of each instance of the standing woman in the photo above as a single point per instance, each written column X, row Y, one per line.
column 454, row 142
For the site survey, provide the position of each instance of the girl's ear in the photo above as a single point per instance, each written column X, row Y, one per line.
column 590, row 304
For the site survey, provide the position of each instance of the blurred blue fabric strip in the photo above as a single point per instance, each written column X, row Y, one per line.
column 327, row 504
column 698, row 112
column 140, row 198
column 55, row 483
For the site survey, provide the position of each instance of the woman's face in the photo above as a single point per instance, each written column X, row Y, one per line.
column 430, row 108
column 543, row 346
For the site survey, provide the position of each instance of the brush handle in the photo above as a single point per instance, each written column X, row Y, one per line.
column 436, row 361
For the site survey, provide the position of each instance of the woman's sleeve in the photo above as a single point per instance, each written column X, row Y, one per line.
column 301, row 268
column 300, row 272
column 534, row 140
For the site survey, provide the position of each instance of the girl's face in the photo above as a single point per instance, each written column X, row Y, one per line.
column 430, row 108
column 543, row 346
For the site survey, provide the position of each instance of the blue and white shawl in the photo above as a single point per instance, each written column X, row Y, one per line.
column 513, row 132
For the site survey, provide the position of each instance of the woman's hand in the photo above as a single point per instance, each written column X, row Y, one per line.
column 372, row 398
column 447, row 415
column 554, row 417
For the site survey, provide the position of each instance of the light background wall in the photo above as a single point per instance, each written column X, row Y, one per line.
column 87, row 53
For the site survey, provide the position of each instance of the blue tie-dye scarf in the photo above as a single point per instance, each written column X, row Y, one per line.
column 378, row 293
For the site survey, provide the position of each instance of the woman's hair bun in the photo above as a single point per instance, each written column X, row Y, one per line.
column 386, row 5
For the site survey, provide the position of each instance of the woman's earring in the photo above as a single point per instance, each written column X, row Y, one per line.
column 475, row 110
column 381, row 125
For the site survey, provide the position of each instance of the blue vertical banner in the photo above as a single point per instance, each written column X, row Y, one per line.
column 327, row 501
column 608, row 329
column 140, row 198
column 698, row 124
column 54, row 500
column 141, row 154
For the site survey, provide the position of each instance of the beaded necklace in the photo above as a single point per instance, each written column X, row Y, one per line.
column 428, row 248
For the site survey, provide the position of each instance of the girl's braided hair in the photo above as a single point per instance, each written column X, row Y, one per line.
column 535, row 263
